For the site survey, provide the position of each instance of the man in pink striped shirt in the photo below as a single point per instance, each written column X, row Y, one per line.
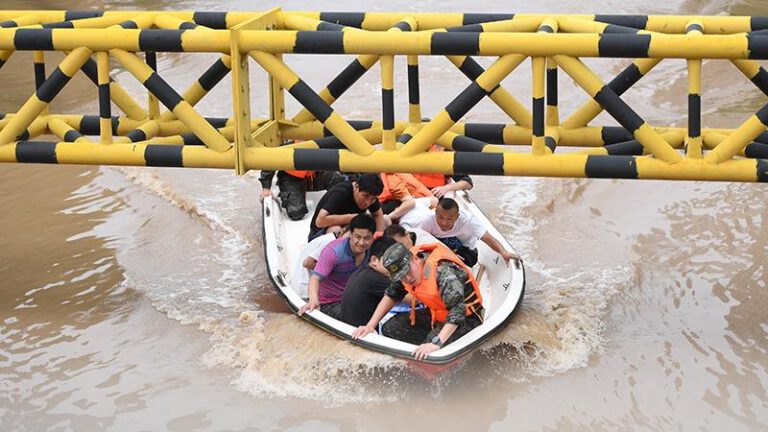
column 338, row 260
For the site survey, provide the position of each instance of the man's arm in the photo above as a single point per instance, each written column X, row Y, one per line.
column 325, row 265
column 378, row 216
column 384, row 306
column 463, row 183
column 325, row 219
column 450, row 282
column 496, row 246
column 314, row 295
column 406, row 204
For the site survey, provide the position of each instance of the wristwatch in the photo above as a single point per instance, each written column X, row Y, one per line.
column 436, row 340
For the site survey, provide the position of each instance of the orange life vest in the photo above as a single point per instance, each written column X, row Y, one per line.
column 427, row 290
column 431, row 180
column 414, row 186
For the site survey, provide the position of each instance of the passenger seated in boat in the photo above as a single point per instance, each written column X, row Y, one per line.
column 366, row 286
column 435, row 276
column 440, row 184
column 461, row 231
column 338, row 260
column 308, row 259
column 293, row 186
column 402, row 188
column 423, row 208
column 344, row 201
column 400, row 235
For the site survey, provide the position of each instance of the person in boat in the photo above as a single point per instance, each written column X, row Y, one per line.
column 423, row 208
column 366, row 286
column 400, row 235
column 402, row 189
column 338, row 260
column 293, row 186
column 440, row 184
column 346, row 200
column 436, row 277
column 307, row 261
column 461, row 232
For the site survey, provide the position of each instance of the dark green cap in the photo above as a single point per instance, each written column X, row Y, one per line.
column 397, row 261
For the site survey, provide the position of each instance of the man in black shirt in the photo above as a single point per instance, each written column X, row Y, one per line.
column 366, row 286
column 345, row 201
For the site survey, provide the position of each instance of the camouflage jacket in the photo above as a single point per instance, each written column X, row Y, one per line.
column 452, row 282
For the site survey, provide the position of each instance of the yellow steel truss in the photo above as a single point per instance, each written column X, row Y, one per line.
column 182, row 137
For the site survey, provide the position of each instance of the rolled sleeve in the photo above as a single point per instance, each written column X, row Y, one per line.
column 396, row 291
column 326, row 263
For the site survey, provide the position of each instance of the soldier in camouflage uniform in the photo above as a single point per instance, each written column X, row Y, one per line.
column 453, row 284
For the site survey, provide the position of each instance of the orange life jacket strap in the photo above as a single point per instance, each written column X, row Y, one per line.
column 300, row 174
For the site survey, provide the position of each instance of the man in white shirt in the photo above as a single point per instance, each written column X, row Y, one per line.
column 461, row 231
column 422, row 210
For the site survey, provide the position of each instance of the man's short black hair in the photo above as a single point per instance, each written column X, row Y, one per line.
column 395, row 230
column 362, row 221
column 448, row 204
column 380, row 245
column 389, row 206
column 370, row 183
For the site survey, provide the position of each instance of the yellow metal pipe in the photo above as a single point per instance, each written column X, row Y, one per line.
column 729, row 46
column 590, row 109
column 693, row 147
column 60, row 128
column 105, row 118
column 489, row 79
column 553, row 113
column 507, row 163
column 366, row 61
column 383, row 20
column 592, row 85
column 414, row 107
column 740, row 138
column 34, row 105
column 538, row 65
column 387, row 95
column 503, row 99
column 287, row 78
column 538, row 68
column 182, row 110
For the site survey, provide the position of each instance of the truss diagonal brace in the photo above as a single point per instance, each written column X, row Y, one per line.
column 499, row 95
column 172, row 100
column 612, row 103
column 37, row 103
column 468, row 98
column 620, row 84
column 307, row 97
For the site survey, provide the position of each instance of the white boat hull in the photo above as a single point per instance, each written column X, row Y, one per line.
column 502, row 286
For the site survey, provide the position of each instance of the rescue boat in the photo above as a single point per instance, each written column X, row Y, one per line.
column 502, row 286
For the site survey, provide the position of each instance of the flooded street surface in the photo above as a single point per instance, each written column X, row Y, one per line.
column 136, row 298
